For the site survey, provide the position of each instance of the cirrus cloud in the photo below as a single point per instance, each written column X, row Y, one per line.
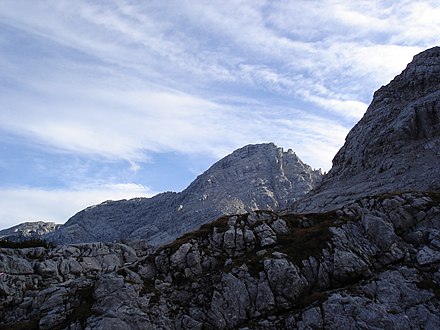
column 125, row 80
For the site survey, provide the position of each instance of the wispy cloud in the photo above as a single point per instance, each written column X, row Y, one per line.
column 300, row 52
column 124, row 79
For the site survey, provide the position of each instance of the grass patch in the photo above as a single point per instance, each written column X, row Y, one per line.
column 303, row 243
column 428, row 284
column 314, row 297
column 253, row 262
column 202, row 232
column 150, row 289
column 309, row 235
column 148, row 286
column 434, row 195
column 122, row 272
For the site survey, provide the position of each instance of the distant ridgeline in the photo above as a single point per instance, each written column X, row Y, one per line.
column 260, row 176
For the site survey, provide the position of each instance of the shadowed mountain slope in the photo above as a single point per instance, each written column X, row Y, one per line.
column 395, row 146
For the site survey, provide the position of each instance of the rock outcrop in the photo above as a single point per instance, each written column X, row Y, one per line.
column 395, row 146
column 260, row 176
column 28, row 230
column 372, row 264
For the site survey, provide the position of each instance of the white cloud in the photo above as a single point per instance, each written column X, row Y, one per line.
column 214, row 42
column 20, row 204
column 129, row 121
column 417, row 20
column 120, row 79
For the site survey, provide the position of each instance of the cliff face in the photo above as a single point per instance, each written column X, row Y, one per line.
column 260, row 176
column 395, row 146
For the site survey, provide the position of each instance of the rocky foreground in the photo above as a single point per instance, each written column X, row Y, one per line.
column 374, row 263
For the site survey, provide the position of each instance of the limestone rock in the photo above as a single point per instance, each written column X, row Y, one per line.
column 395, row 146
column 28, row 230
column 259, row 176
column 350, row 281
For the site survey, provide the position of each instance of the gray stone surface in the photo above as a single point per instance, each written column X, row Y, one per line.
column 28, row 230
column 355, row 281
column 260, row 176
column 394, row 147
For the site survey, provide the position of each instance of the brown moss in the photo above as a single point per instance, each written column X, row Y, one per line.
column 302, row 242
column 203, row 232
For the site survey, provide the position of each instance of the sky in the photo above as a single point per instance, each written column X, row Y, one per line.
column 118, row 99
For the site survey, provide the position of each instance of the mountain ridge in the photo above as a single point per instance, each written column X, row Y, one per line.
column 261, row 176
column 28, row 230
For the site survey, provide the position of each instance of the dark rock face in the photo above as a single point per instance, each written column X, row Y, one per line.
column 395, row 146
column 254, row 177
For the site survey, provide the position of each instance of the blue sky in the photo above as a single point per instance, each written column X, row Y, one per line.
column 116, row 99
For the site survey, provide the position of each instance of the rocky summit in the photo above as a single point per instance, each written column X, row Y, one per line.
column 260, row 176
column 370, row 260
column 395, row 146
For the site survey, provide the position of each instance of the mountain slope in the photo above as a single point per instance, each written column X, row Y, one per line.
column 395, row 146
column 259, row 176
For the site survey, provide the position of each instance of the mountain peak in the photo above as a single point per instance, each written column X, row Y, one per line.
column 420, row 77
column 395, row 146
column 257, row 176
